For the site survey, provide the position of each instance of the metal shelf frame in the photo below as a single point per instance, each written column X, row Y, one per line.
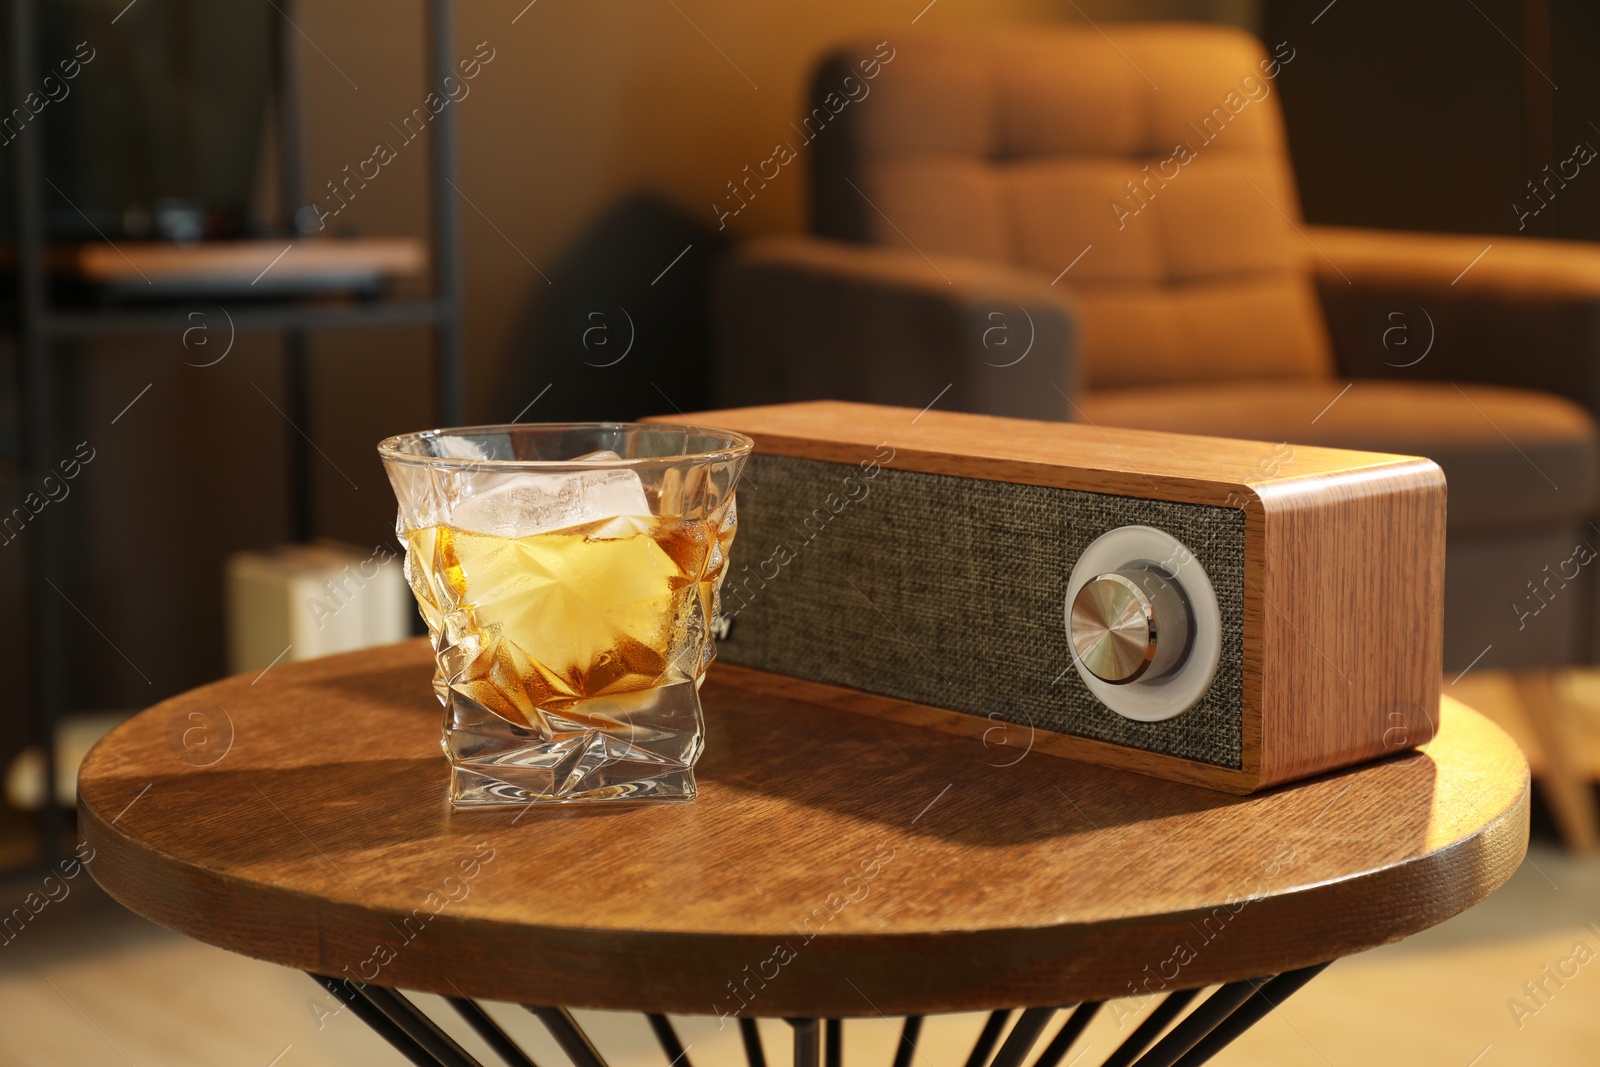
column 39, row 327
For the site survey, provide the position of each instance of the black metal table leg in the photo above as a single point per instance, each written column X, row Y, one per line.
column 908, row 1041
column 1201, row 1021
column 1022, row 1037
column 378, row 1022
column 570, row 1036
column 1146, row 1033
column 1191, row 1041
column 491, row 1033
column 1070, row 1030
column 668, row 1037
column 421, row 1029
column 1249, row 1013
column 750, row 1034
column 807, row 1042
column 988, row 1037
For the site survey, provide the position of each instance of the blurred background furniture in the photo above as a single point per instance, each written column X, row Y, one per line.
column 835, row 866
column 133, row 216
column 1045, row 224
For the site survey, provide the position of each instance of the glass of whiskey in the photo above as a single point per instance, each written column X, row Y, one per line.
column 568, row 575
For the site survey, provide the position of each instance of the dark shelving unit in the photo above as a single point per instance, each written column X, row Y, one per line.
column 42, row 327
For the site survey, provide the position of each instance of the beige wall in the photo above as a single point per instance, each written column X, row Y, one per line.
column 587, row 100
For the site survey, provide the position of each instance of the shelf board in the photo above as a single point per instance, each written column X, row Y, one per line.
column 206, row 263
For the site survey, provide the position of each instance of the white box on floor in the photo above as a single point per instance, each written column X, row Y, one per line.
column 302, row 601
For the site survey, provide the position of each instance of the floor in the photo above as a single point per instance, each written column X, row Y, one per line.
column 87, row 983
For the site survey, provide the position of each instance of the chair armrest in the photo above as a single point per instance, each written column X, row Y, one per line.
column 1524, row 313
column 801, row 318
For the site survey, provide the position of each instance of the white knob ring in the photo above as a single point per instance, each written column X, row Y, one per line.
column 1153, row 700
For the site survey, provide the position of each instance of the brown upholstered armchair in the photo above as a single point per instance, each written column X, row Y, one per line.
column 1046, row 224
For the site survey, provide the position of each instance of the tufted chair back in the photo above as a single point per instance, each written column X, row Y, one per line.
column 1148, row 172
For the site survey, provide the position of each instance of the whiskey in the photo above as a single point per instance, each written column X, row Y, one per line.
column 541, row 623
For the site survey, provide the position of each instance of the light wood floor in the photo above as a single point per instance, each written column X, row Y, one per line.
column 87, row 983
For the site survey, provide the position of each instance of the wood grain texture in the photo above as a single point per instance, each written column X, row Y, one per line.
column 1344, row 563
column 825, row 846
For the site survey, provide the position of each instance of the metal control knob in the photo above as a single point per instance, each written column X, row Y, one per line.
column 1130, row 624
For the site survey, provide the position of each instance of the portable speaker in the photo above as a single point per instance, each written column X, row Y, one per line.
column 1234, row 614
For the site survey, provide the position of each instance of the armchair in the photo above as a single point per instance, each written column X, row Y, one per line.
column 1022, row 223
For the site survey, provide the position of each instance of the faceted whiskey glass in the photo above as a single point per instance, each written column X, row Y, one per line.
column 569, row 577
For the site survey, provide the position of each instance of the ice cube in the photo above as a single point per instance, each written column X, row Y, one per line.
column 519, row 504
column 458, row 448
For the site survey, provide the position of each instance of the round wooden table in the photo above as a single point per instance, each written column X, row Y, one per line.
column 834, row 865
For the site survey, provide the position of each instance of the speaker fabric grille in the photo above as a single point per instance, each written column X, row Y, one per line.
column 950, row 592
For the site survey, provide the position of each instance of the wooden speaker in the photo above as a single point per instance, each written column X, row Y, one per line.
column 1230, row 613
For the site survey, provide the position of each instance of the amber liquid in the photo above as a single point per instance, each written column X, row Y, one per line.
column 555, row 618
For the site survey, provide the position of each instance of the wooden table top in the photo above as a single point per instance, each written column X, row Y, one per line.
column 834, row 863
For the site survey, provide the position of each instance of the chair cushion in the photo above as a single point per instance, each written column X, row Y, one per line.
column 1052, row 147
column 1512, row 458
column 1141, row 335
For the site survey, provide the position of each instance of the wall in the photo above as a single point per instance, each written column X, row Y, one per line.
column 1448, row 135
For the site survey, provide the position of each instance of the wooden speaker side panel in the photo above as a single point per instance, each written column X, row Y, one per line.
column 1349, row 607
